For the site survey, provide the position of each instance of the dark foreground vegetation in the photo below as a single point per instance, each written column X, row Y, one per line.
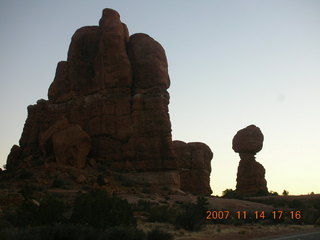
column 308, row 207
column 95, row 215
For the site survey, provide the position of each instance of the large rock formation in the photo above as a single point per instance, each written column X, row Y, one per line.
column 194, row 163
column 109, row 102
column 251, row 174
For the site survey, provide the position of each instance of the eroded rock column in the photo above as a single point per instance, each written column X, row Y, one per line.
column 251, row 174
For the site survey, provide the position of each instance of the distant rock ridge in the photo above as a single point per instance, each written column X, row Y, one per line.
column 109, row 102
column 251, row 174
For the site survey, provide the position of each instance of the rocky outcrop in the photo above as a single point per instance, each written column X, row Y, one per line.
column 109, row 102
column 251, row 174
column 69, row 143
column 194, row 162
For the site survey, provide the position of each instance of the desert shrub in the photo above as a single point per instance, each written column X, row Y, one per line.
column 50, row 211
column 146, row 189
column 100, row 180
column 58, row 183
column 163, row 213
column 202, row 204
column 316, row 203
column 98, row 210
column 189, row 218
column 29, row 213
column 309, row 216
column 25, row 214
column 285, row 193
column 317, row 222
column 192, row 216
column 143, row 205
column 157, row 234
column 71, row 232
column 296, row 204
column 261, row 193
column 4, row 223
column 56, row 232
column 273, row 193
column 25, row 174
column 123, row 233
column 279, row 203
column 125, row 181
column 229, row 193
column 27, row 190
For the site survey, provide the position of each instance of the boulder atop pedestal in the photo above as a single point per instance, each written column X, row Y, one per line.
column 251, row 174
column 248, row 140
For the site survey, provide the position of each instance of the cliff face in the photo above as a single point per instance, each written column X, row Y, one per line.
column 109, row 102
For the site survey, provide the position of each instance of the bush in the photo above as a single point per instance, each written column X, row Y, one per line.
column 273, row 193
column 4, row 223
column 296, row 204
column 25, row 174
column 58, row 183
column 229, row 193
column 100, row 180
column 25, row 215
column 192, row 216
column 143, row 205
column 157, row 234
column 50, row 211
column 279, row 203
column 189, row 218
column 27, row 190
column 57, row 232
column 316, row 204
column 98, row 210
column 29, row 213
column 309, row 216
column 123, row 233
column 162, row 213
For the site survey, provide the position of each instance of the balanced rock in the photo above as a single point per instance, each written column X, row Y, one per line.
column 251, row 174
column 248, row 140
column 109, row 102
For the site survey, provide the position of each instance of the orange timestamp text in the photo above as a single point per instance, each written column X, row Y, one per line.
column 253, row 215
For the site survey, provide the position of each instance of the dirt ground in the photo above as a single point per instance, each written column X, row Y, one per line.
column 231, row 232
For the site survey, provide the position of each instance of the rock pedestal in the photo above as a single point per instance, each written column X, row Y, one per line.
column 108, row 101
column 251, row 174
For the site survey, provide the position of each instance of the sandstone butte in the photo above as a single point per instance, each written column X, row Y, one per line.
column 251, row 174
column 107, row 113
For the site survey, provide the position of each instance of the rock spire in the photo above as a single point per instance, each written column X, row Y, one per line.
column 251, row 174
column 109, row 102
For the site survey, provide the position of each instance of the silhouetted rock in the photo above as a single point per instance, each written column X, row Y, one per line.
column 69, row 143
column 13, row 157
column 194, row 161
column 248, row 140
column 108, row 103
column 251, row 174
